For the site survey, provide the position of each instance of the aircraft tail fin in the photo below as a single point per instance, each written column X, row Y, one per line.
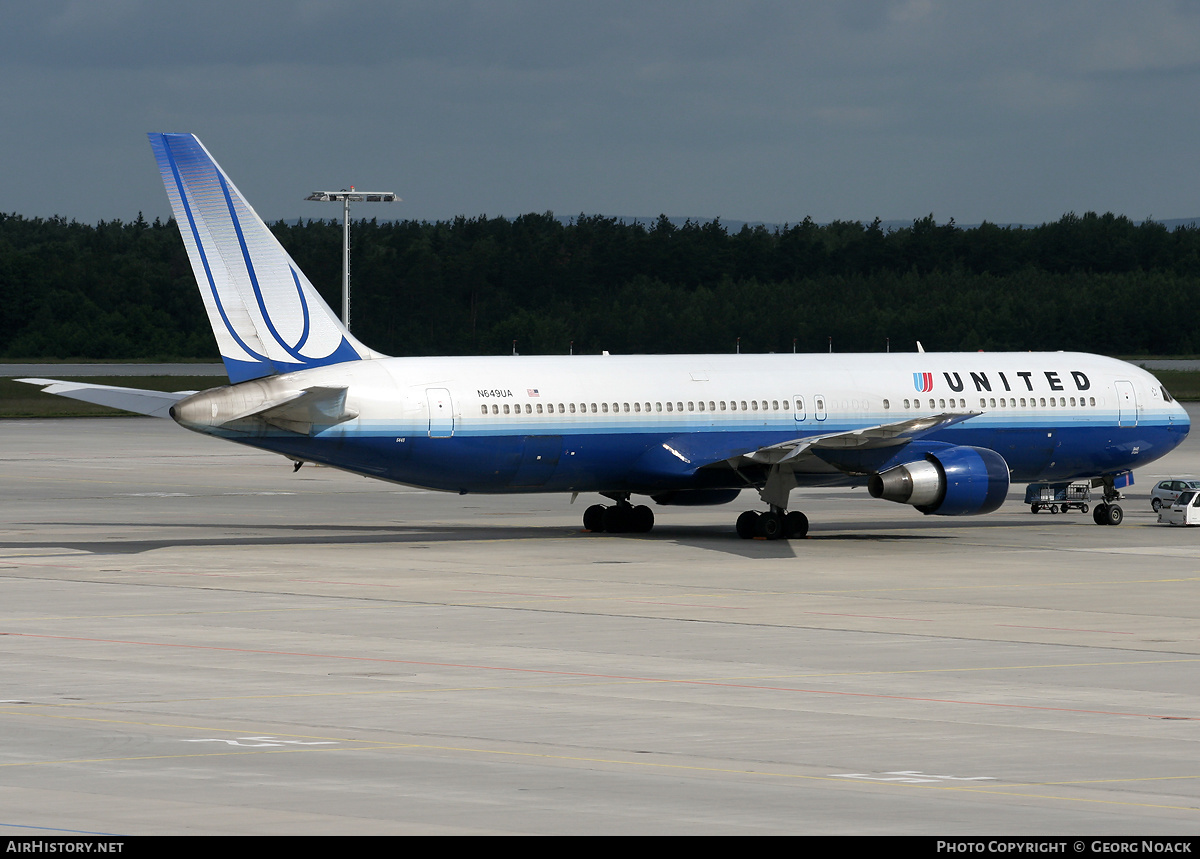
column 267, row 317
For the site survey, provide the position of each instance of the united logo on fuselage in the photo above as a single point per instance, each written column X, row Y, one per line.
column 1055, row 380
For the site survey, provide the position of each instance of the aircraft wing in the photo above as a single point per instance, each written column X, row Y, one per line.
column 156, row 404
column 896, row 434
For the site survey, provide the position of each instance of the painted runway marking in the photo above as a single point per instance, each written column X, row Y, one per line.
column 912, row 777
column 259, row 742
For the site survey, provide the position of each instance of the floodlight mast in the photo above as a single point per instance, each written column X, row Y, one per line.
column 345, row 197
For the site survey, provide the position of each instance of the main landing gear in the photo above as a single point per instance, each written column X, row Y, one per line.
column 775, row 524
column 620, row 518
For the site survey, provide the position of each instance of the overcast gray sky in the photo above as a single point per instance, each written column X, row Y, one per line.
column 1006, row 111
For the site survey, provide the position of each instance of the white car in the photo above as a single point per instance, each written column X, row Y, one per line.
column 1185, row 510
column 1166, row 491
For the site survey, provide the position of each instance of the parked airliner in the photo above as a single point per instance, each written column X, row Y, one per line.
column 945, row 433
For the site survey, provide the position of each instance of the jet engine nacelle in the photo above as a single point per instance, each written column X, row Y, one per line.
column 956, row 481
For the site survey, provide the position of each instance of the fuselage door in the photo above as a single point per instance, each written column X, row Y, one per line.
column 441, row 413
column 539, row 458
column 1126, row 404
column 800, row 413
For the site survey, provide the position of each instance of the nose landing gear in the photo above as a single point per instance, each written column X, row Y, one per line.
column 1108, row 512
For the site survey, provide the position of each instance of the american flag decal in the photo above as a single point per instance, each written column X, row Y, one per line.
column 532, row 392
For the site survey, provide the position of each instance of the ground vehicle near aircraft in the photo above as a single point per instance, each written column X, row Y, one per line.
column 1165, row 492
column 1058, row 498
column 944, row 433
column 1184, row 510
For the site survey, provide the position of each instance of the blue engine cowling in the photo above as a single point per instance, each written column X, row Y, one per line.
column 953, row 481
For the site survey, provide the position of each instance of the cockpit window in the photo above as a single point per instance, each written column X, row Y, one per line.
column 1166, row 396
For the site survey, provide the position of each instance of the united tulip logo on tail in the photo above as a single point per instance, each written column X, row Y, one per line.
column 923, row 382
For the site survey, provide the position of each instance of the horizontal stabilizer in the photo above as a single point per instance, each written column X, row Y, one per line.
column 156, row 404
column 299, row 411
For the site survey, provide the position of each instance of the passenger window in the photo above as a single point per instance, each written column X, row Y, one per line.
column 691, row 407
column 743, row 405
column 483, row 410
column 506, row 408
column 886, row 404
column 604, row 407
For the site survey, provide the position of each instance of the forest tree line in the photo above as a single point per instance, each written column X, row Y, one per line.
column 125, row 290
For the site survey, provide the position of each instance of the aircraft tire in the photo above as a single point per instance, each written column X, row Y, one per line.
column 1115, row 515
column 747, row 524
column 643, row 519
column 795, row 526
column 618, row 518
column 770, row 525
column 593, row 518
column 1100, row 514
